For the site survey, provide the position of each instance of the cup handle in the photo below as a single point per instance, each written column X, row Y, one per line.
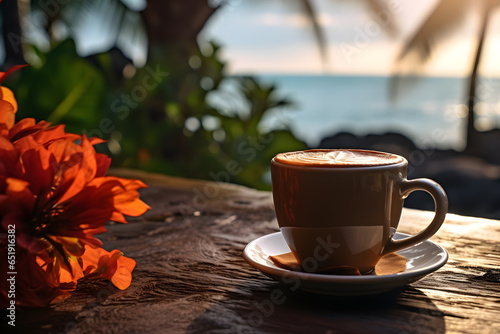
column 441, row 208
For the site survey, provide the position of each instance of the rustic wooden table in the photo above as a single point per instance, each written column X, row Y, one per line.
column 191, row 277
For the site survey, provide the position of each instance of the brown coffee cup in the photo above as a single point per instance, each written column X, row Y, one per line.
column 342, row 207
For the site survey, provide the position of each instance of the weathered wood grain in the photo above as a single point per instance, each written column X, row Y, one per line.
column 191, row 277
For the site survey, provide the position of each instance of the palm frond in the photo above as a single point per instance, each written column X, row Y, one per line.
column 318, row 31
column 378, row 7
column 445, row 17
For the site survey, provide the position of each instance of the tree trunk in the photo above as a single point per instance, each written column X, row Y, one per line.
column 176, row 21
column 11, row 31
column 473, row 145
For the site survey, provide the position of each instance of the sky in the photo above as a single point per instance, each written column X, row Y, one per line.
column 274, row 36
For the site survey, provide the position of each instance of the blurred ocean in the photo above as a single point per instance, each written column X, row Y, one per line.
column 429, row 110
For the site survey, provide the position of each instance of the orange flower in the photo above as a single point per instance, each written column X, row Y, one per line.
column 54, row 193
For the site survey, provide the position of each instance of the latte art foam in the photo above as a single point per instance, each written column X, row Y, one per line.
column 338, row 158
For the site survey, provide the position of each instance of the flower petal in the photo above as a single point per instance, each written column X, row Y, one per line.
column 98, row 263
column 7, row 117
column 78, row 170
column 8, row 96
column 4, row 75
column 123, row 274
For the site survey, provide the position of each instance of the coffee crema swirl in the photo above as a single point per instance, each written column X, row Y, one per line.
column 338, row 158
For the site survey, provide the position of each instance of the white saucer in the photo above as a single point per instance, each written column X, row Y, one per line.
column 422, row 259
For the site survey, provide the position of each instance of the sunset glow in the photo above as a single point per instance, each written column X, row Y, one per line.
column 275, row 37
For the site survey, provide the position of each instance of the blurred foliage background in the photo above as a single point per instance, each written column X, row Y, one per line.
column 154, row 111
